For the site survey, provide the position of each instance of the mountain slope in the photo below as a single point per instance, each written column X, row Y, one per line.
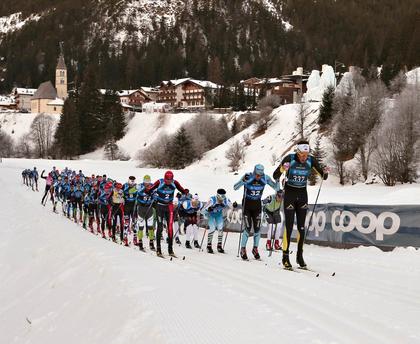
column 141, row 42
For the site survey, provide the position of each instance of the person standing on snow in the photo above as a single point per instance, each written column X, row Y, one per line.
column 298, row 168
column 254, row 184
column 165, row 190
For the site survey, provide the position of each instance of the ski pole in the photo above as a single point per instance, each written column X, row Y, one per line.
column 242, row 220
column 313, row 210
column 273, row 235
column 202, row 239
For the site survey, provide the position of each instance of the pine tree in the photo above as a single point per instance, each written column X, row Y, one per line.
column 181, row 151
column 326, row 108
column 67, row 135
column 319, row 155
column 89, row 108
column 113, row 116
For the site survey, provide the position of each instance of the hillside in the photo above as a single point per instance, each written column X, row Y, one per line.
column 142, row 42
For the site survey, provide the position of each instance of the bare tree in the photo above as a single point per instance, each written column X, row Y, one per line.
column 42, row 134
column 235, row 154
column 368, row 111
column 23, row 147
column 156, row 154
column 6, row 145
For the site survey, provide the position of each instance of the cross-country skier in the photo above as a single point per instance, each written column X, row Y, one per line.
column 192, row 215
column 145, row 214
column 213, row 210
column 48, row 183
column 35, row 179
column 298, row 167
column 117, row 201
column 254, row 184
column 165, row 189
column 272, row 209
column 104, row 207
column 130, row 194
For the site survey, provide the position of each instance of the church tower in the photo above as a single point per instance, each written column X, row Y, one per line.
column 61, row 77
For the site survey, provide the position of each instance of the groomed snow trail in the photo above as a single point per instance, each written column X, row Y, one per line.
column 61, row 284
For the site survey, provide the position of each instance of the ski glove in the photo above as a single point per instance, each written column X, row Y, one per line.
column 235, row 204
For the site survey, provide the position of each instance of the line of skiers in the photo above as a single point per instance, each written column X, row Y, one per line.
column 30, row 178
column 145, row 208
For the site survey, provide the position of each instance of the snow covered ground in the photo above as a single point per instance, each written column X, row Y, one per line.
column 61, row 284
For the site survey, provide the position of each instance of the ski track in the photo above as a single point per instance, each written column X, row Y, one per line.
column 202, row 299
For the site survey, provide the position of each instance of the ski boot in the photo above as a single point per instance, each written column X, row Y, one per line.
column 178, row 241
column 210, row 249
column 152, row 245
column 125, row 241
column 187, row 244
column 243, row 253
column 84, row 225
column 135, row 242
column 171, row 252
column 256, row 253
column 140, row 245
column 268, row 246
column 159, row 252
column 285, row 261
column 277, row 246
column 109, row 233
column 220, row 248
column 196, row 244
column 300, row 261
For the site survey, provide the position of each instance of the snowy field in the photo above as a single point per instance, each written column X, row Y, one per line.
column 61, row 284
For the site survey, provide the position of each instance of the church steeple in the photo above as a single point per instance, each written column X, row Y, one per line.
column 61, row 76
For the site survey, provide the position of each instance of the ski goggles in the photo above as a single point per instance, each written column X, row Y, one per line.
column 303, row 148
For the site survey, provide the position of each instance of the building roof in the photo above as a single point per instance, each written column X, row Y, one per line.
column 56, row 102
column 61, row 64
column 150, row 89
column 7, row 101
column 24, row 91
column 45, row 91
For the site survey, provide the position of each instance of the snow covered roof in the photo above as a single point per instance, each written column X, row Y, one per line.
column 205, row 84
column 56, row 102
column 177, row 82
column 24, row 91
column 150, row 89
column 126, row 93
column 45, row 91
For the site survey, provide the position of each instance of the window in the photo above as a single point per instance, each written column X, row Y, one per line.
column 62, row 73
column 55, row 109
column 62, row 81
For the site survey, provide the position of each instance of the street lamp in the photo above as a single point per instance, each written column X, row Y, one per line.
column 337, row 64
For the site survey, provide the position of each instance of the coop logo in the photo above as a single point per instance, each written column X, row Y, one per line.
column 365, row 222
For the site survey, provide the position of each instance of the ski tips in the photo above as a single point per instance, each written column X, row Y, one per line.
column 317, row 275
column 333, row 274
column 171, row 258
column 183, row 258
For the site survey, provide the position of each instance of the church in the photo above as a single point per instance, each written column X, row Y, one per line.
column 48, row 99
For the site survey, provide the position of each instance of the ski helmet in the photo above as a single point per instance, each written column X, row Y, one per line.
column 118, row 185
column 259, row 170
column 169, row 176
column 221, row 194
column 146, row 179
